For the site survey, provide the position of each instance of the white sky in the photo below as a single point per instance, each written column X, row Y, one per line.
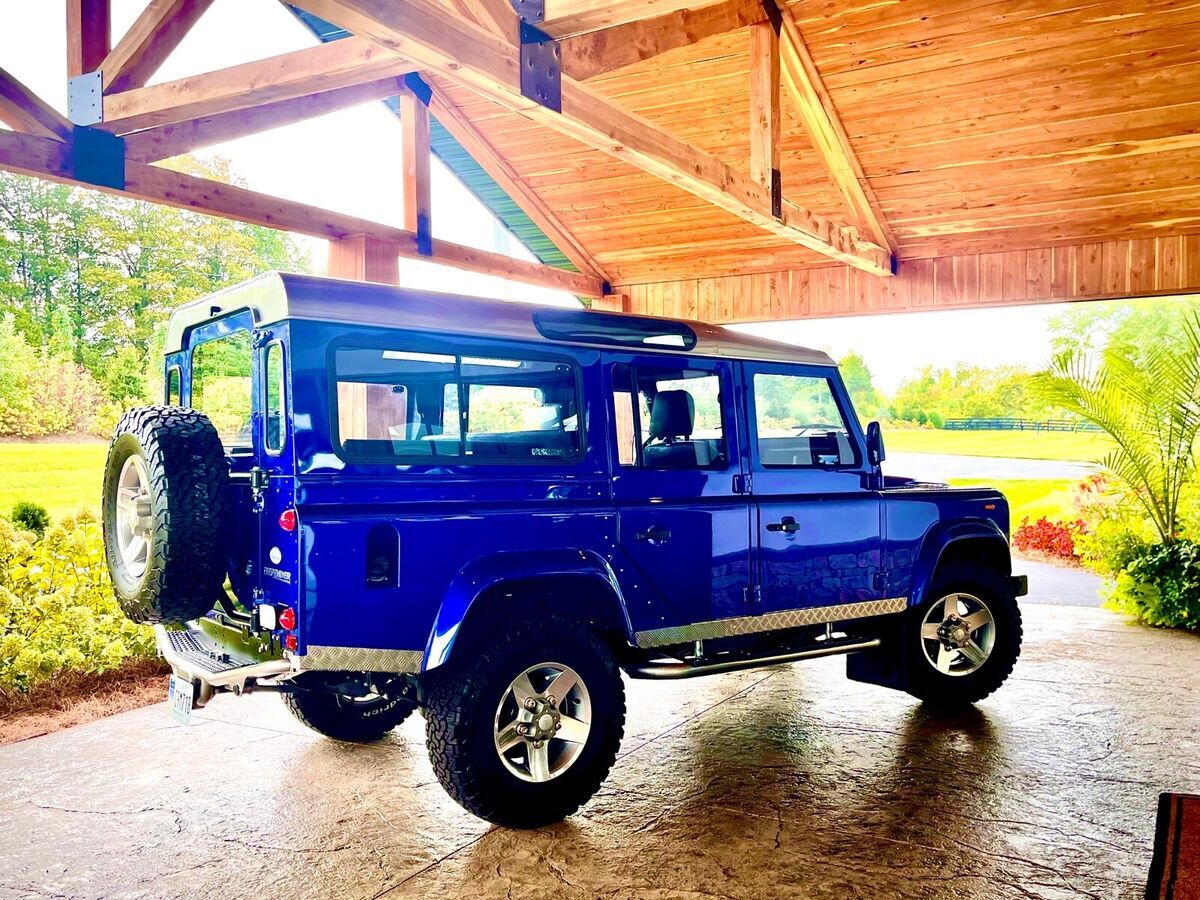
column 350, row 162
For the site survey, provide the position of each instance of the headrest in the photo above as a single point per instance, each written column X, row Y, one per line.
column 672, row 415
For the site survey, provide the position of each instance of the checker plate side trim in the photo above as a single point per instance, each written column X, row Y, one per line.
column 359, row 659
column 792, row 618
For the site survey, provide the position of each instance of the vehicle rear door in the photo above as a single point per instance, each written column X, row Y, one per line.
column 817, row 518
column 683, row 524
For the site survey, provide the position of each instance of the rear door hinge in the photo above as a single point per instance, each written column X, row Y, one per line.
column 879, row 580
column 260, row 480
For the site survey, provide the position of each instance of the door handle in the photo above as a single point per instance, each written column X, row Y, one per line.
column 653, row 533
column 787, row 525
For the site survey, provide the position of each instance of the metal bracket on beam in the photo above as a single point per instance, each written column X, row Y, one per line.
column 98, row 158
column 776, row 194
column 774, row 15
column 424, row 235
column 416, row 84
column 533, row 11
column 541, row 67
column 85, row 98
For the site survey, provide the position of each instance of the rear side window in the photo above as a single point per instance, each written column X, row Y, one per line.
column 275, row 420
column 799, row 423
column 174, row 390
column 397, row 404
column 221, row 386
column 669, row 418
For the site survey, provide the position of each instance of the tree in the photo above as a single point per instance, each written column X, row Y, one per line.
column 1146, row 396
column 861, row 386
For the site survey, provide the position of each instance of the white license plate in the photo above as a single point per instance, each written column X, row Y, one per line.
column 179, row 699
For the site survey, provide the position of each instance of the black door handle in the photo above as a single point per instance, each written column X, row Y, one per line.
column 787, row 525
column 653, row 533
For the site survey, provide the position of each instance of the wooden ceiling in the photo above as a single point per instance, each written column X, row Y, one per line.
column 979, row 126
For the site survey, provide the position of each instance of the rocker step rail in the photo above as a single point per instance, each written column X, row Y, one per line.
column 669, row 670
column 217, row 657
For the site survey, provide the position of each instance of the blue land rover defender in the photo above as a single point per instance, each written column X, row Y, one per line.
column 374, row 500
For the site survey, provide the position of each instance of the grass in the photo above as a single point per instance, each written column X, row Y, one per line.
column 61, row 477
column 1061, row 445
column 1032, row 498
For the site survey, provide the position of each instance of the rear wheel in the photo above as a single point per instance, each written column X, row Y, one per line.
column 367, row 711
column 524, row 733
column 963, row 641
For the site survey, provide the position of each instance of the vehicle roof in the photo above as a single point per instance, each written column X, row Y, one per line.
column 276, row 296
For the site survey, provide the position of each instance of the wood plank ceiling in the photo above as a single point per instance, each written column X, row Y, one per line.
column 980, row 126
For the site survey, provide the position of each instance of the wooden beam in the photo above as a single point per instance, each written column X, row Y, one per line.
column 764, row 105
column 23, row 110
column 150, row 40
column 497, row 16
column 588, row 55
column 364, row 258
column 46, row 158
column 89, row 35
column 463, row 52
column 166, row 141
column 815, row 107
column 300, row 73
column 414, row 129
column 564, row 18
column 511, row 183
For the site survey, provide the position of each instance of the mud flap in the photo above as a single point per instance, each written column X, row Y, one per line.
column 886, row 665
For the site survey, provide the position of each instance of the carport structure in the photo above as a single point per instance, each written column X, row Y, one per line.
column 742, row 160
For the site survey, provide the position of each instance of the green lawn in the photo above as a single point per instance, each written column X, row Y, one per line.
column 1084, row 446
column 1033, row 498
column 61, row 477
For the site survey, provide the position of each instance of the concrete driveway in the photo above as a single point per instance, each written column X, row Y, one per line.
column 789, row 782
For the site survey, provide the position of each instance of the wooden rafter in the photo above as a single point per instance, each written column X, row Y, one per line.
column 564, row 18
column 297, row 74
column 89, row 35
column 47, row 158
column 23, row 110
column 166, row 141
column 149, row 41
column 588, row 55
column 815, row 107
column 511, row 183
column 414, row 129
column 496, row 16
column 764, row 105
column 489, row 64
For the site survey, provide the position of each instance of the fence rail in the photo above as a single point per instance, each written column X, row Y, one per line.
column 1013, row 424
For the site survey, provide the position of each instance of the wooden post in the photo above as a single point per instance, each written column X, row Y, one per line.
column 414, row 124
column 89, row 35
column 764, row 106
column 363, row 258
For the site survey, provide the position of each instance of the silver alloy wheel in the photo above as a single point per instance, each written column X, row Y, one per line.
column 543, row 722
column 957, row 634
column 135, row 518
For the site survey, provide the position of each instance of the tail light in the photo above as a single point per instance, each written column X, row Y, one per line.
column 287, row 618
column 287, row 520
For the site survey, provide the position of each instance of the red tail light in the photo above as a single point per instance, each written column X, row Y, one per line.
column 287, row 520
column 287, row 618
column 291, row 642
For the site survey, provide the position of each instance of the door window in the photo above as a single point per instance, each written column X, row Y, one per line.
column 221, row 386
column 800, row 424
column 669, row 418
column 275, row 417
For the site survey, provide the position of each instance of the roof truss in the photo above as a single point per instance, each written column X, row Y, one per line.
column 149, row 41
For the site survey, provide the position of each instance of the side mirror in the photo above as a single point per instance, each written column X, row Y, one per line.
column 875, row 452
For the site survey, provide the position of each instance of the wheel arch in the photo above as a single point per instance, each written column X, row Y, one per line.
column 978, row 541
column 499, row 586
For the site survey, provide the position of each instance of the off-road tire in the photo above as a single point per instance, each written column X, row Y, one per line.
column 460, row 722
column 189, row 478
column 343, row 719
column 946, row 691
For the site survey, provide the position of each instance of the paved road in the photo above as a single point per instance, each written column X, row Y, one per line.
column 941, row 466
column 1058, row 585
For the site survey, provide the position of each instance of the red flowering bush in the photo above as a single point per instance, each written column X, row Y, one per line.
column 1049, row 538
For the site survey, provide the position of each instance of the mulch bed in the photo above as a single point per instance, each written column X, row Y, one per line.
column 73, row 699
column 1175, row 871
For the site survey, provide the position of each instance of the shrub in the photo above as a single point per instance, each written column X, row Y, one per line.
column 57, row 611
column 936, row 420
column 29, row 516
column 1055, row 539
column 1161, row 585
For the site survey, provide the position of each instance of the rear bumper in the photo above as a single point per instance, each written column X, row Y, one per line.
column 216, row 657
column 1020, row 585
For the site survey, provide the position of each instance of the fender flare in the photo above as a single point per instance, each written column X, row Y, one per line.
column 941, row 538
column 482, row 575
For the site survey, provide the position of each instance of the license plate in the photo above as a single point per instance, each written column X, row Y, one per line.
column 179, row 699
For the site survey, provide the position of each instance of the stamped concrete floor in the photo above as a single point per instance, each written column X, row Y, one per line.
column 788, row 782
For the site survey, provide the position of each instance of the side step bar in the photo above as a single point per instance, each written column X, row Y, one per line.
column 673, row 670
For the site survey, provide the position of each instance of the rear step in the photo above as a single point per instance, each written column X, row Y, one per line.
column 733, row 662
column 217, row 657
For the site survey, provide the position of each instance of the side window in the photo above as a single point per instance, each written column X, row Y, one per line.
column 221, row 386
column 275, row 415
column 174, row 390
column 402, row 404
column 799, row 424
column 671, row 419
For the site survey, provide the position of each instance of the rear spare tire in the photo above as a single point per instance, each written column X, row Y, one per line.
column 165, row 495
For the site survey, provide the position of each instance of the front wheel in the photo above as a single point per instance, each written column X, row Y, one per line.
column 524, row 733
column 963, row 641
